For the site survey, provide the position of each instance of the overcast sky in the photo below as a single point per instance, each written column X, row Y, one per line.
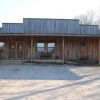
column 15, row 10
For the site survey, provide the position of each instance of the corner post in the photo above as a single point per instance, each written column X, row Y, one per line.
column 99, row 51
column 63, row 50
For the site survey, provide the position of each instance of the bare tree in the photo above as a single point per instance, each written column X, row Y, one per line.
column 98, row 19
column 98, row 22
column 88, row 18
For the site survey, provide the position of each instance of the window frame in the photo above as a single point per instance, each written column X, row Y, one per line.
column 53, row 48
column 37, row 47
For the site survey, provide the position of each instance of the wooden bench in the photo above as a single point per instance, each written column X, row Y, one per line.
column 45, row 55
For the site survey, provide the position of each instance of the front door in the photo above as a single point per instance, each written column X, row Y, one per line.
column 16, row 50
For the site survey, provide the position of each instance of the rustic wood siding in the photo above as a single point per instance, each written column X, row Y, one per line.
column 81, row 48
column 89, row 49
column 75, row 48
column 72, row 48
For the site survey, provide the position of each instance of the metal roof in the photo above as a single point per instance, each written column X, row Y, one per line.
column 49, row 26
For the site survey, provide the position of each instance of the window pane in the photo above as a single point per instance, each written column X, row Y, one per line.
column 50, row 49
column 40, row 44
column 51, row 44
column 40, row 49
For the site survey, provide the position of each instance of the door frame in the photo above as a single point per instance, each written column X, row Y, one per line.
column 16, row 50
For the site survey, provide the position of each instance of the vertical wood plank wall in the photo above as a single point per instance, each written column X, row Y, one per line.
column 75, row 48
column 81, row 48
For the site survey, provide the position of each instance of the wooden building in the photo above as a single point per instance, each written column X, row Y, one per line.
column 54, row 40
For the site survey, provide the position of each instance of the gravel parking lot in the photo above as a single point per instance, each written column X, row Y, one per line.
column 49, row 82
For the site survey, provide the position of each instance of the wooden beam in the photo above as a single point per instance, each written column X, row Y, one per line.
column 63, row 50
column 99, row 51
column 31, row 48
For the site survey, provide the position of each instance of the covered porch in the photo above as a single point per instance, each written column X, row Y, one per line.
column 49, row 48
column 31, row 48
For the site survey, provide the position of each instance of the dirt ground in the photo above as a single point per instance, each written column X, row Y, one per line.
column 49, row 82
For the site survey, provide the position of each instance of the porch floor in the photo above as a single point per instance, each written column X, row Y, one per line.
column 29, row 61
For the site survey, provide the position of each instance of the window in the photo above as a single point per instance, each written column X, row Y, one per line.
column 51, row 47
column 40, row 47
column 2, row 44
column 45, row 47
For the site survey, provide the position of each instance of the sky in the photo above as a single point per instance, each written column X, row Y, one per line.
column 15, row 10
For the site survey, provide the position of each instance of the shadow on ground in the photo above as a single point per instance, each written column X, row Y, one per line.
column 37, row 72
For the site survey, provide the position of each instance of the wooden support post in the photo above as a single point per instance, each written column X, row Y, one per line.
column 99, row 51
column 16, row 43
column 63, row 50
column 31, row 48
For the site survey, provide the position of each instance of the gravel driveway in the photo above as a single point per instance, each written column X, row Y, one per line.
column 49, row 82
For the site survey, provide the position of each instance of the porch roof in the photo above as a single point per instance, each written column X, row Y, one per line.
column 40, row 26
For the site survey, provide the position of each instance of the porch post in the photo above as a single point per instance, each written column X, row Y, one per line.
column 63, row 50
column 31, row 48
column 99, row 51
